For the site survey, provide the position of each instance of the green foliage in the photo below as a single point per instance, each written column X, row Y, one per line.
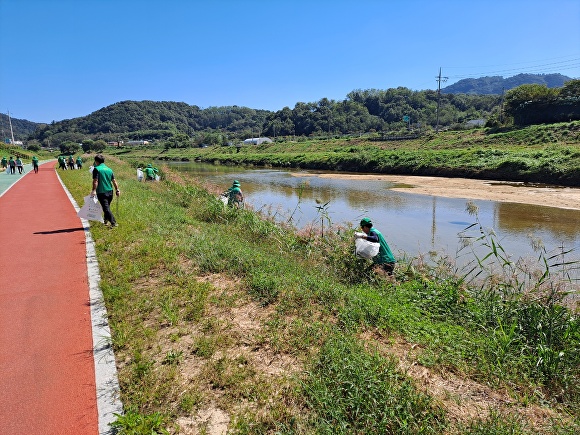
column 536, row 104
column 133, row 423
column 352, row 391
column 70, row 148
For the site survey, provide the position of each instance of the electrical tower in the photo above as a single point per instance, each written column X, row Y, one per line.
column 439, row 80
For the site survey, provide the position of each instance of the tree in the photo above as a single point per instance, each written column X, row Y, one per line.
column 99, row 145
column 571, row 89
column 70, row 148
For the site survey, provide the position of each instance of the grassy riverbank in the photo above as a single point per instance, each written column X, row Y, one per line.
column 221, row 319
column 541, row 153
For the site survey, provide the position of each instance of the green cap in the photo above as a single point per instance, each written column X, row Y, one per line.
column 366, row 222
column 149, row 165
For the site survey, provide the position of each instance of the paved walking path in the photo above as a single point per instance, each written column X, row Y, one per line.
column 57, row 373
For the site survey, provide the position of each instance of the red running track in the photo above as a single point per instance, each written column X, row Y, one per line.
column 47, row 374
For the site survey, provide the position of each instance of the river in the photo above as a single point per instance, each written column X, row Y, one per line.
column 413, row 224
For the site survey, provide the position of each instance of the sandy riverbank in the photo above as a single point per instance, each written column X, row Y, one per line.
column 550, row 196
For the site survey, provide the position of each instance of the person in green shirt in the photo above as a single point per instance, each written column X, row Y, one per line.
column 61, row 163
column 235, row 195
column 79, row 163
column 103, row 182
column 385, row 259
column 150, row 172
column 12, row 165
column 35, row 164
column 4, row 162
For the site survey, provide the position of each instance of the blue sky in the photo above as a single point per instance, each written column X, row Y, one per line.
column 67, row 58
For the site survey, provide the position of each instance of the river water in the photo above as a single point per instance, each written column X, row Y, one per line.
column 413, row 224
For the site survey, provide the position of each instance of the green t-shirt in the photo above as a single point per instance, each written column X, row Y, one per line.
column 105, row 176
column 234, row 195
column 149, row 173
column 385, row 255
column 35, row 161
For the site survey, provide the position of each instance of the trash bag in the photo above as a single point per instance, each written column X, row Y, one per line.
column 91, row 210
column 366, row 249
column 139, row 174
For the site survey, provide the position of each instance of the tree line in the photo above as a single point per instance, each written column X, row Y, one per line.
column 392, row 111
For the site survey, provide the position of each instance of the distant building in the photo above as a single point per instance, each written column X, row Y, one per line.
column 137, row 142
column 475, row 123
column 257, row 140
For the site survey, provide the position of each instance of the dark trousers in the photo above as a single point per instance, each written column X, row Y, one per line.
column 388, row 267
column 105, row 199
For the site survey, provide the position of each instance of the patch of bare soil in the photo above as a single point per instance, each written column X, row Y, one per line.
column 463, row 399
column 239, row 322
column 521, row 193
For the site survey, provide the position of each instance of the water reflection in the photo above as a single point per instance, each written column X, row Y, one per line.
column 412, row 223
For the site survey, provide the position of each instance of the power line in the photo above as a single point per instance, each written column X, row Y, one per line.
column 546, row 67
column 517, row 63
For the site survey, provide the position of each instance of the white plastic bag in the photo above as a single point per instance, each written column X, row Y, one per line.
column 91, row 210
column 366, row 249
column 139, row 174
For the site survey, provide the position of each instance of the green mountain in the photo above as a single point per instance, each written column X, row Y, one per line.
column 497, row 84
column 21, row 128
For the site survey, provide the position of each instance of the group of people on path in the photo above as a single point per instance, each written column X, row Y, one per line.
column 65, row 163
column 12, row 165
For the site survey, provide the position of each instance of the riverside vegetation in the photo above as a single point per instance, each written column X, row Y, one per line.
column 541, row 153
column 222, row 319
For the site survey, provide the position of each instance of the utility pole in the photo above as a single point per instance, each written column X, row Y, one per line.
column 501, row 106
column 439, row 80
column 11, row 131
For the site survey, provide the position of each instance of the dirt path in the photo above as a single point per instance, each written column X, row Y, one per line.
column 550, row 196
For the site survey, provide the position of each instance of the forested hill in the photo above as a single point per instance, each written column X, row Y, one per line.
column 392, row 111
column 361, row 111
column 497, row 84
column 151, row 116
column 20, row 127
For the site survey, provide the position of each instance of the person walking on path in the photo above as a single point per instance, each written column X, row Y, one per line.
column 61, row 163
column 19, row 165
column 385, row 259
column 12, row 165
column 79, row 162
column 35, row 164
column 4, row 163
column 103, row 182
column 71, row 162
